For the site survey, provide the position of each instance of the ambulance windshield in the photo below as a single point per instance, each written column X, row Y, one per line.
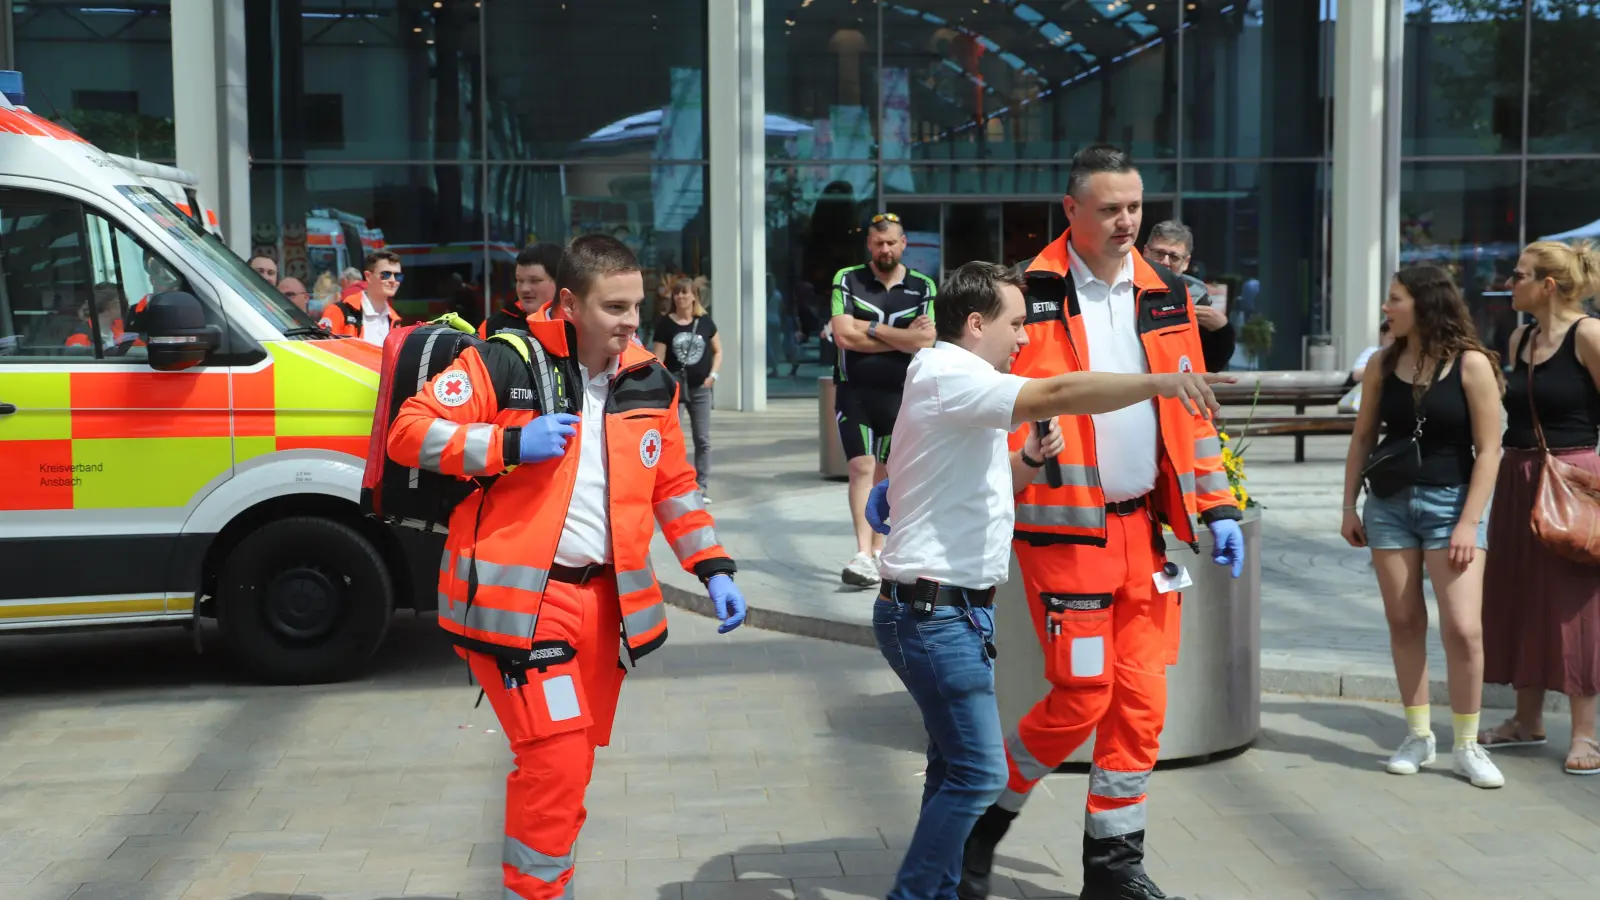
column 285, row 316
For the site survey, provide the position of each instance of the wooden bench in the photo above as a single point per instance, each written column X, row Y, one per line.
column 1300, row 390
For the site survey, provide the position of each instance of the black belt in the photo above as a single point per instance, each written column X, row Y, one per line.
column 578, row 574
column 949, row 595
column 1127, row 507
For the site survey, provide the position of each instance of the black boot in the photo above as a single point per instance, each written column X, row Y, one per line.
column 978, row 860
column 1113, row 869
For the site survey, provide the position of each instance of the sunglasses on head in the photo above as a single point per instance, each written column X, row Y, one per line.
column 886, row 217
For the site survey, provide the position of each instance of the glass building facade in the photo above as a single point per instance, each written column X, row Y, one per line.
column 456, row 131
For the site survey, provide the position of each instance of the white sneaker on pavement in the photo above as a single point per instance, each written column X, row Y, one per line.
column 861, row 571
column 1414, row 753
column 1472, row 762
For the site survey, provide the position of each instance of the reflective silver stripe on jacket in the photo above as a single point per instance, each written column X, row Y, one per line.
column 434, row 442
column 1207, row 447
column 486, row 618
column 1072, row 476
column 475, row 453
column 532, row 863
column 641, row 621
column 1118, row 785
column 1061, row 516
column 1212, row 483
column 636, row 580
column 522, row 578
column 1114, row 822
column 696, row 541
column 673, row 508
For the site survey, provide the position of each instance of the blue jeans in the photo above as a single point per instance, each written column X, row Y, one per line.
column 941, row 660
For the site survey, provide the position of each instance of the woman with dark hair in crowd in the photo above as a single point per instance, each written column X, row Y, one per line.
column 1541, row 612
column 1436, row 392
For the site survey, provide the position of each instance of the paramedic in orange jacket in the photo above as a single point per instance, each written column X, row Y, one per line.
column 1101, row 592
column 370, row 314
column 536, row 269
column 549, row 564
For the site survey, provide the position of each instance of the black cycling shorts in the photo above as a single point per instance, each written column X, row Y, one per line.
column 866, row 420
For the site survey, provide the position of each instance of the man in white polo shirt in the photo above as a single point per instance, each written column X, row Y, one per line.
column 951, row 486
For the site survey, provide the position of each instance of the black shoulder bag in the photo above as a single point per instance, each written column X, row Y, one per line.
column 1395, row 465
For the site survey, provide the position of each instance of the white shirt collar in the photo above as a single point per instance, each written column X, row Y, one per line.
column 368, row 310
column 609, row 373
column 1082, row 275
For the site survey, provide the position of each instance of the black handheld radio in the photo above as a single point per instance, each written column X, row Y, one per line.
column 1052, row 466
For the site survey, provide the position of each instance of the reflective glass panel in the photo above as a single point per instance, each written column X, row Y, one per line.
column 1463, row 77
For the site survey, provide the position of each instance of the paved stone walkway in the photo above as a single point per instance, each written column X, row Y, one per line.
column 755, row 766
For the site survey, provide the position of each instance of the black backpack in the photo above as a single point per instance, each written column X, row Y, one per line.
column 412, row 356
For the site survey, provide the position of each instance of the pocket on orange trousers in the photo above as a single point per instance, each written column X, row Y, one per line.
column 1078, row 648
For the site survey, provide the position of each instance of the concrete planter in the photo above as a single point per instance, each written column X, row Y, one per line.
column 1213, row 693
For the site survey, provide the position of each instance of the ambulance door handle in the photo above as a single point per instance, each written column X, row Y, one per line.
column 7, row 409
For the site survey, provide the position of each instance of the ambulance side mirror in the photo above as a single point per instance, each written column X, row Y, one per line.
column 176, row 332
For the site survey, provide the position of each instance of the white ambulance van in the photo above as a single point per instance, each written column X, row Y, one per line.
column 177, row 440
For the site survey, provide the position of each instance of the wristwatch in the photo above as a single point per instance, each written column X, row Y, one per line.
column 872, row 329
column 1029, row 461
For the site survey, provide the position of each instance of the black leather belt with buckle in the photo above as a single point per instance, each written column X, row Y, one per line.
column 1127, row 507
column 949, row 595
column 578, row 574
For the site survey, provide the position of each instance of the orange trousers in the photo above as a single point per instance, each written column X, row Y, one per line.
column 554, row 719
column 1108, row 635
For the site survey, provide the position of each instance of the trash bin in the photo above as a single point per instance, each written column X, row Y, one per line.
column 830, row 452
column 1213, row 693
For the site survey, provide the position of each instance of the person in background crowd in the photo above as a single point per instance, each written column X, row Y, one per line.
column 323, row 292
column 1358, row 368
column 1541, row 612
column 350, row 278
column 266, row 267
column 882, row 314
column 1171, row 244
column 295, row 292
column 535, row 274
column 686, row 341
column 1439, row 387
column 370, row 317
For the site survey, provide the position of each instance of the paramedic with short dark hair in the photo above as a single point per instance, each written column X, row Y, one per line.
column 950, row 491
column 545, row 567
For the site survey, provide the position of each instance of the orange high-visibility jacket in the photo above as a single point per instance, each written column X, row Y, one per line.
column 464, row 423
column 1190, row 479
column 344, row 316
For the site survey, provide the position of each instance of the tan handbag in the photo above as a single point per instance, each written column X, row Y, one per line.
column 1566, row 511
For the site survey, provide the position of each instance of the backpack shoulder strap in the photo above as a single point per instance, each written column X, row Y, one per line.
column 352, row 316
column 541, row 372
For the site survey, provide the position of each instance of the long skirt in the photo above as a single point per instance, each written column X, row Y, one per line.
column 1541, row 612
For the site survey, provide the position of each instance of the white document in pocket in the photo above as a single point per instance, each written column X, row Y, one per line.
column 1167, row 584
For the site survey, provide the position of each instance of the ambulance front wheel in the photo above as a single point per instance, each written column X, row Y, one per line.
column 304, row 600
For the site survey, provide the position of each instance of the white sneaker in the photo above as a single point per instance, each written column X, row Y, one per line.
column 861, row 571
column 1472, row 762
column 1414, row 753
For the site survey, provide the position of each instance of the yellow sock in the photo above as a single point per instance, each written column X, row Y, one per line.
column 1419, row 720
column 1466, row 729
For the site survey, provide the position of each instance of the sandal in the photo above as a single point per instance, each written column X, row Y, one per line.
column 1590, row 759
column 1509, row 734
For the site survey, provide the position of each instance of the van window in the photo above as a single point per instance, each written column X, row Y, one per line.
column 126, row 274
column 46, row 288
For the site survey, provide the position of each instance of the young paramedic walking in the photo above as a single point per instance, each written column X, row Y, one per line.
column 950, row 489
column 1103, row 597
column 547, row 565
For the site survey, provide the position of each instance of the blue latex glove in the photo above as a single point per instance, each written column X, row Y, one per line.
column 729, row 602
column 878, row 507
column 545, row 438
column 1228, row 545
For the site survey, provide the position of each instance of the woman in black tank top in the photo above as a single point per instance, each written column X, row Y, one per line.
column 1541, row 612
column 1428, row 484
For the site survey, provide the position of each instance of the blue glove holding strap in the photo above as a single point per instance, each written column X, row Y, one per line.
column 545, row 438
column 878, row 507
column 728, row 601
column 1227, row 545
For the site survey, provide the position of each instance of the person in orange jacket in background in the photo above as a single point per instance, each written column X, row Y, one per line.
column 549, row 563
column 537, row 265
column 363, row 311
column 1103, row 596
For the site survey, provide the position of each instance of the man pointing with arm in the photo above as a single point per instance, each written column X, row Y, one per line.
column 951, row 486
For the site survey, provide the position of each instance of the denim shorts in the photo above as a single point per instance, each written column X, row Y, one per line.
column 1418, row 517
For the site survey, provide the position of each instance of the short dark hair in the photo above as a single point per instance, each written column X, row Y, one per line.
column 590, row 258
column 378, row 256
column 973, row 287
column 1096, row 159
column 544, row 254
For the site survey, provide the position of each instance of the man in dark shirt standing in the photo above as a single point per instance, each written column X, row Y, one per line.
column 1171, row 244
column 882, row 314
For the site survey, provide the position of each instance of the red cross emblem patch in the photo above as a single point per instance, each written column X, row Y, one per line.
column 650, row 448
column 453, row 388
